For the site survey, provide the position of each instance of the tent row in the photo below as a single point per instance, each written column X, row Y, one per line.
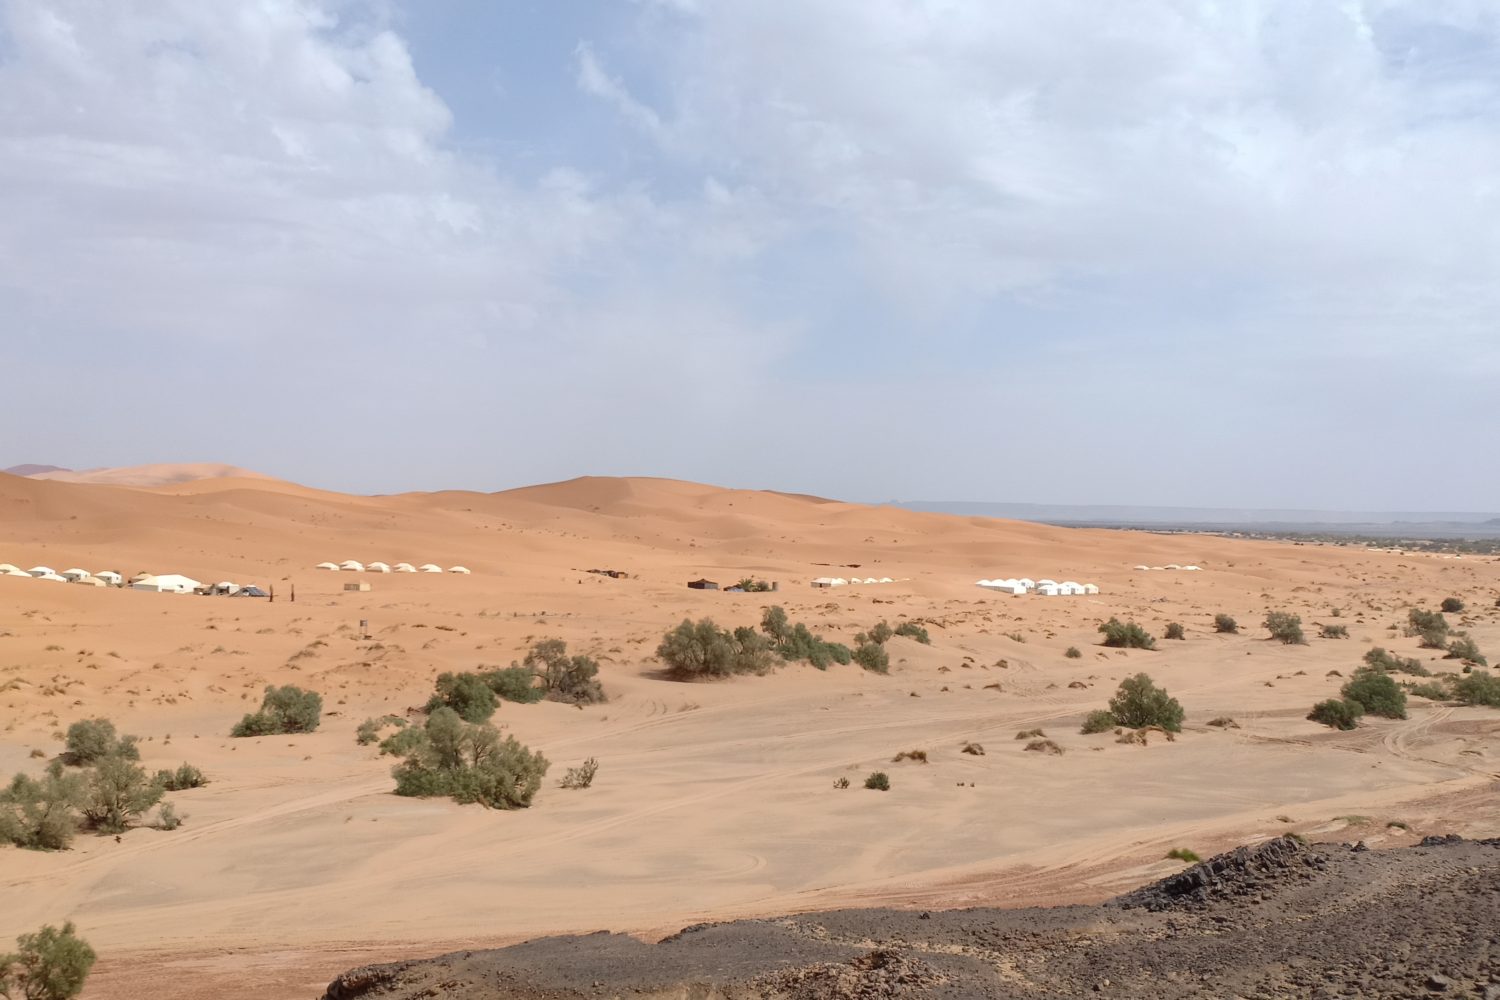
column 1046, row 588
column 355, row 566
column 1186, row 569
column 165, row 583
column 838, row 581
column 103, row 578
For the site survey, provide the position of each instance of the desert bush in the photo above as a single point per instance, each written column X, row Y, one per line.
column 283, row 710
column 1431, row 690
column 1477, row 688
column 581, row 776
column 186, row 776
column 1464, row 648
column 879, row 780
column 517, row 683
column 873, row 657
column 1225, row 623
column 914, row 631
column 50, row 964
column 1377, row 692
column 1183, row 854
column 920, row 756
column 793, row 642
column 1285, row 627
column 402, row 742
column 1073, row 653
column 841, row 783
column 1429, row 626
column 570, row 679
column 1338, row 713
column 704, row 650
column 1045, row 746
column 1098, row 721
column 972, row 748
column 368, row 732
column 1029, row 734
column 1126, row 635
column 753, row 586
column 1139, row 702
column 880, row 633
column 167, row 818
column 467, row 694
column 1326, row 631
column 1223, row 722
column 41, row 814
column 1452, row 605
column 116, row 793
column 1175, row 631
column 92, row 739
column 468, row 763
column 1379, row 659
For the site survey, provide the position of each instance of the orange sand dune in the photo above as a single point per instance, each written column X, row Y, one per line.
column 713, row 800
column 162, row 474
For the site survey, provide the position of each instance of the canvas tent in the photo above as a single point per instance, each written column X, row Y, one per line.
column 1047, row 589
column 404, row 568
column 7, row 567
column 86, row 581
column 829, row 581
column 12, row 571
column 53, row 577
column 377, row 567
column 74, row 574
column 42, row 571
column 328, row 565
column 352, row 566
column 250, row 591
column 167, row 583
column 429, row 568
column 225, row 587
column 110, row 577
column 1091, row 588
column 461, row 570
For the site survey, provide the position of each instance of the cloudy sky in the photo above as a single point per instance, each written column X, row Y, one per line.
column 1155, row 251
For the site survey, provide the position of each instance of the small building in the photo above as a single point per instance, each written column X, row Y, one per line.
column 1047, row 589
column 251, row 590
column 86, row 581
column 403, row 568
column 1070, row 589
column 74, row 574
column 1091, row 588
column 12, row 571
column 352, row 566
column 377, row 567
column 328, row 565
column 167, row 583
column 460, row 570
column 50, row 577
column 110, row 577
column 224, row 588
column 1026, row 582
column 358, row 586
column 42, row 571
column 702, row 585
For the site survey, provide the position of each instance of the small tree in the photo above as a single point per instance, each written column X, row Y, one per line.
column 881, row 633
column 1285, row 627
column 1330, row 631
column 701, row 649
column 469, row 763
column 1225, row 623
column 581, row 776
column 185, row 777
column 50, row 964
column 1452, row 605
column 283, row 710
column 1138, row 702
column 1175, row 631
column 1464, row 648
column 1098, row 721
column 914, row 631
column 1126, row 635
column 873, row 657
column 1377, row 692
column 1073, row 653
column 570, row 679
column 517, row 682
column 1338, row 713
column 467, row 694
column 879, row 781
column 1379, row 659
column 1428, row 626
column 1478, row 688
column 117, row 793
column 41, row 814
column 91, row 739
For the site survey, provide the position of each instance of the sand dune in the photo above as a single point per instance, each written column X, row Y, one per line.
column 714, row 800
column 161, row 474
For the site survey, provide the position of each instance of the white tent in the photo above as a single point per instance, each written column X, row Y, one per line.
column 75, row 573
column 886, row 579
column 464, row 570
column 49, row 576
column 1192, row 569
column 1045, row 583
column 12, row 571
column 830, row 581
column 110, row 577
column 352, row 566
column 1047, row 589
column 1026, row 582
column 1173, row 566
column 1144, row 569
column 5, row 569
column 42, row 571
column 167, row 583
column 1007, row 587
column 87, row 581
column 377, row 567
column 1091, row 588
column 429, row 568
column 225, row 587
column 328, row 565
column 1069, row 589
column 404, row 568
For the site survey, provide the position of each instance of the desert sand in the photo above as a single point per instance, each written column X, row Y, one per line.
column 714, row 800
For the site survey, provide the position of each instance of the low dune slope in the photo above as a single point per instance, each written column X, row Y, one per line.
column 161, row 474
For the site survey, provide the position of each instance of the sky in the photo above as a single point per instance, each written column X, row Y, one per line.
column 1185, row 252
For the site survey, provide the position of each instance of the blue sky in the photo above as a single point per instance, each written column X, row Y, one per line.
column 1219, row 253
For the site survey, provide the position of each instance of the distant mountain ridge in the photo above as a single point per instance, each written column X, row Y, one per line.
column 33, row 470
column 1128, row 514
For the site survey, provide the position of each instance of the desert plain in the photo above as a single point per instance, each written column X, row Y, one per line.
column 714, row 800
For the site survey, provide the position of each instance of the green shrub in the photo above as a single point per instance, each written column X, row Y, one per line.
column 116, row 793
column 873, row 657
column 1464, row 648
column 752, row 586
column 284, row 710
column 1183, row 854
column 1429, row 626
column 793, row 642
column 1377, row 693
column 1285, row 627
column 914, row 631
column 402, row 742
column 1030, row 734
column 573, row 680
column 186, row 776
column 879, row 781
column 369, row 730
column 1379, row 659
column 703, row 650
column 468, row 763
column 1126, row 635
column 1333, row 631
column 1225, row 623
column 50, row 964
column 1138, row 703
column 581, row 776
column 1478, row 688
column 1452, row 605
column 881, row 633
column 467, row 694
column 1175, row 631
column 92, row 739
column 167, row 818
column 1098, row 721
column 1431, row 690
column 920, row 756
column 1337, row 713
column 41, row 814
column 518, row 683
column 1073, row 653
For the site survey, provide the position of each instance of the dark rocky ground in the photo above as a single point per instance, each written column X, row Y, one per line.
column 1281, row 919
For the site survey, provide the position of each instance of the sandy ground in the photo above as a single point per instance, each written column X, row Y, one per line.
column 713, row 801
